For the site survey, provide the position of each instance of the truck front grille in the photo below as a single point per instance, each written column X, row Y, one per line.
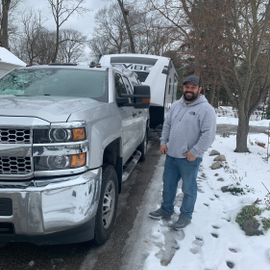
column 15, row 136
column 15, row 165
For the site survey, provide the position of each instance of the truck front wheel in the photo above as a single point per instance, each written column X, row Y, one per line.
column 143, row 146
column 107, row 207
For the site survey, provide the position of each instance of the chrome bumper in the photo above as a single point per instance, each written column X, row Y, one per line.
column 50, row 207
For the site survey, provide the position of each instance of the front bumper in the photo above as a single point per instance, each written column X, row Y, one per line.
column 55, row 211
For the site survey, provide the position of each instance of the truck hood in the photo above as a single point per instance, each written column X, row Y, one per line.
column 49, row 108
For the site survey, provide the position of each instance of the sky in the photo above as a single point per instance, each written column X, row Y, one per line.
column 84, row 23
column 213, row 240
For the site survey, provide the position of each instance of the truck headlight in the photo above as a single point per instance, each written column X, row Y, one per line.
column 60, row 162
column 59, row 135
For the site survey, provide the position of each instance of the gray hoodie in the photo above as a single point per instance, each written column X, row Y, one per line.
column 189, row 127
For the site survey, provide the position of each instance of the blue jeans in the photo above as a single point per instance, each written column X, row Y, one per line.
column 174, row 170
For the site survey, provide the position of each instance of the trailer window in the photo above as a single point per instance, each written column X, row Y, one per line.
column 142, row 76
column 133, row 60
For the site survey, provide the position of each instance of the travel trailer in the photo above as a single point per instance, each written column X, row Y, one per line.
column 156, row 71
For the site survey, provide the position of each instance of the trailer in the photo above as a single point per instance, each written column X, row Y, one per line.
column 156, row 71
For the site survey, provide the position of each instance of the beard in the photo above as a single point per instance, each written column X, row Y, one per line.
column 193, row 96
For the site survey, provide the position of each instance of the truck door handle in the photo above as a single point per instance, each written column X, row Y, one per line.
column 134, row 114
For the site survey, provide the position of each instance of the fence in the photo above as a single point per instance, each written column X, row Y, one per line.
column 233, row 113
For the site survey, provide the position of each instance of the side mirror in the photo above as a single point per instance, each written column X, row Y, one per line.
column 142, row 96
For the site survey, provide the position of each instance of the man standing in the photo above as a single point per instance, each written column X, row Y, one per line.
column 189, row 130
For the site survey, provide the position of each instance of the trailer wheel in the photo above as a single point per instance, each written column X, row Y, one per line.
column 107, row 207
column 143, row 146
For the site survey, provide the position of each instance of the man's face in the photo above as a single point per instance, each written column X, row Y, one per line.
column 191, row 91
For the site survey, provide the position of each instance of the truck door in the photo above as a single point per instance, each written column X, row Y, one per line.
column 138, row 119
column 129, row 118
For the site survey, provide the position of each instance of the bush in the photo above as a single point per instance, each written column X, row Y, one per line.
column 247, row 213
column 266, row 223
column 267, row 111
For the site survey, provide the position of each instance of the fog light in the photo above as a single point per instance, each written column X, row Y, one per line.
column 58, row 162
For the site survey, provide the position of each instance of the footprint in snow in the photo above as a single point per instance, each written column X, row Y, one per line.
column 230, row 264
column 214, row 235
column 196, row 245
column 170, row 246
column 233, row 250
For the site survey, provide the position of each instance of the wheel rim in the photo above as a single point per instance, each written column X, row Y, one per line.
column 108, row 206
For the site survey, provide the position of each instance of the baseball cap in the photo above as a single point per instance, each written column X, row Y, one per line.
column 192, row 78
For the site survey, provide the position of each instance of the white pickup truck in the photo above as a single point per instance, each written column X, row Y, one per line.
column 69, row 136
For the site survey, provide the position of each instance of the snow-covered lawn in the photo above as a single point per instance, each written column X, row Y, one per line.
column 214, row 241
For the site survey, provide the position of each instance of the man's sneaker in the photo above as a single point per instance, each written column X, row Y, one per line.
column 182, row 222
column 160, row 213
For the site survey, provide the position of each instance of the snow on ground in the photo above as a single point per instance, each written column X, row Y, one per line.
column 213, row 240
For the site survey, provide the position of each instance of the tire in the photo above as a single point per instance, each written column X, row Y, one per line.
column 143, row 147
column 107, row 207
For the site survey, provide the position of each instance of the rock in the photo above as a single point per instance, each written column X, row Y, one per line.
column 216, row 166
column 224, row 189
column 250, row 227
column 214, row 153
column 268, row 254
column 225, row 135
column 221, row 179
column 220, row 158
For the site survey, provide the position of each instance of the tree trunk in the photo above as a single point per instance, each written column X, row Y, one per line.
column 4, row 23
column 216, row 103
column 56, row 44
column 124, row 12
column 242, row 132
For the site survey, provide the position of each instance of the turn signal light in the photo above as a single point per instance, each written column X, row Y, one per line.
column 78, row 160
column 145, row 100
column 79, row 134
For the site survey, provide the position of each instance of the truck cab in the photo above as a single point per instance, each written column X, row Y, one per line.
column 66, row 134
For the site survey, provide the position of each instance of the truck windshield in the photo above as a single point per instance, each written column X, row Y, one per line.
column 56, row 82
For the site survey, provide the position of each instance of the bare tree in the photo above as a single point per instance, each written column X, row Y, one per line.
column 36, row 44
column 6, row 7
column 72, row 45
column 233, row 35
column 151, row 34
column 62, row 10
column 243, row 75
column 125, row 13
column 109, row 34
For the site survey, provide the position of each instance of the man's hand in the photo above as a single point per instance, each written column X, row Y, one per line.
column 189, row 156
column 163, row 149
